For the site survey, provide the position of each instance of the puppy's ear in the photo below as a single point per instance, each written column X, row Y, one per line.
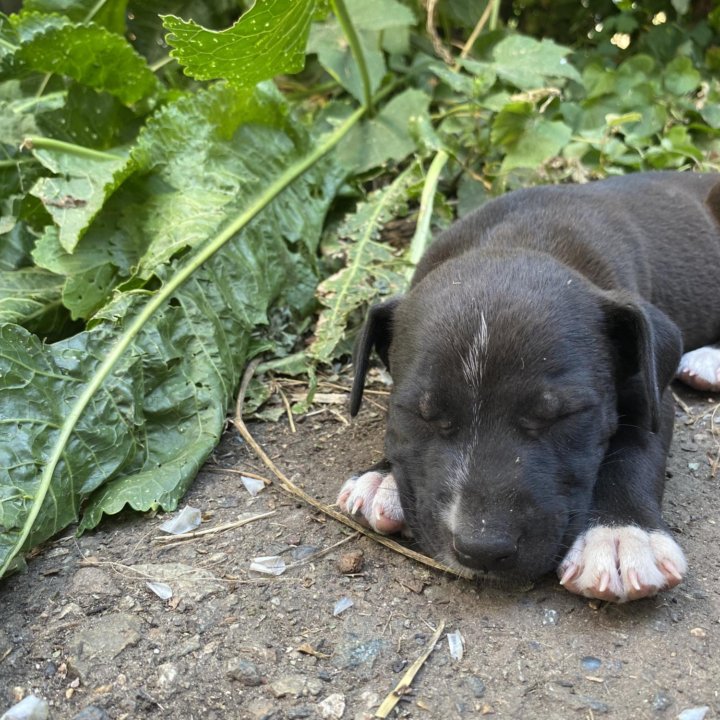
column 648, row 347
column 713, row 201
column 377, row 333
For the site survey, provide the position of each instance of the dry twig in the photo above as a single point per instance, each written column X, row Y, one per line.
column 404, row 685
column 288, row 486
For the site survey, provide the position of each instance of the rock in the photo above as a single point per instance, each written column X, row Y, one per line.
column 661, row 701
column 476, row 685
column 288, row 685
column 302, row 711
column 92, row 712
column 29, row 708
column 167, row 676
column 243, row 671
column 332, row 707
column 550, row 617
column 262, row 710
column 103, row 640
column 352, row 656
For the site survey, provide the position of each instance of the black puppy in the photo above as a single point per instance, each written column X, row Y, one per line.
column 530, row 418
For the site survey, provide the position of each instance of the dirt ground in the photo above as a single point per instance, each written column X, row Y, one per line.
column 82, row 630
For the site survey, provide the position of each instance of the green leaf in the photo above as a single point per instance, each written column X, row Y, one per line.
column 379, row 14
column 267, row 40
column 680, row 76
column 388, row 136
column 83, row 182
column 371, row 268
column 528, row 63
column 328, row 42
column 132, row 406
column 109, row 14
column 28, row 294
column 529, row 138
column 89, row 54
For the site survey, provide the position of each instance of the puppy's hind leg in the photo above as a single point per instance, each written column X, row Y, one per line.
column 700, row 369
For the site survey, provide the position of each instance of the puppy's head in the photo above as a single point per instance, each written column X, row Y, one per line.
column 510, row 375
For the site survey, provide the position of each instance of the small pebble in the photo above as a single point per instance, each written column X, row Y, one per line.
column 29, row 708
column 693, row 466
column 661, row 701
column 590, row 663
column 399, row 665
column 243, row 671
column 477, row 686
column 332, row 707
column 550, row 617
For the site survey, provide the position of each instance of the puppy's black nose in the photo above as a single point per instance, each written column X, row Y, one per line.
column 491, row 552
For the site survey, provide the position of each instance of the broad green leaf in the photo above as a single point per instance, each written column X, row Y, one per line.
column 27, row 294
column 109, row 14
column 379, row 14
column 100, row 262
column 388, row 136
column 371, row 269
column 327, row 40
column 87, row 118
column 267, row 40
column 89, row 54
column 131, row 407
column 529, row 138
column 82, row 181
column 528, row 63
column 680, row 76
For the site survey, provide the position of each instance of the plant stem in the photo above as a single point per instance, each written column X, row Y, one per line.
column 422, row 229
column 35, row 142
column 155, row 302
column 94, row 10
column 353, row 39
column 495, row 14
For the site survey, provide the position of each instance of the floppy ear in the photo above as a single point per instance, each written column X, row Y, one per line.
column 377, row 333
column 713, row 200
column 648, row 347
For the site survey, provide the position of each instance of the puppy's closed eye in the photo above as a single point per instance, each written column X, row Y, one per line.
column 551, row 407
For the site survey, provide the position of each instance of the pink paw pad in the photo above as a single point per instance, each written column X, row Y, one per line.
column 700, row 369
column 374, row 500
column 622, row 563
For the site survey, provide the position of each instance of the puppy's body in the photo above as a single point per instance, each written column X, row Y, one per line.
column 530, row 417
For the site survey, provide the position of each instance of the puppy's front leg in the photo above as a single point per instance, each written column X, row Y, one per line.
column 627, row 552
column 373, row 498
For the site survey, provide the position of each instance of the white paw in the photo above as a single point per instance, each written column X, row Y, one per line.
column 701, row 368
column 622, row 563
column 374, row 499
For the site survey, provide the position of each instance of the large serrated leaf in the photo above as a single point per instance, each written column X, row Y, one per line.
column 89, row 54
column 371, row 268
column 139, row 398
column 267, row 40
